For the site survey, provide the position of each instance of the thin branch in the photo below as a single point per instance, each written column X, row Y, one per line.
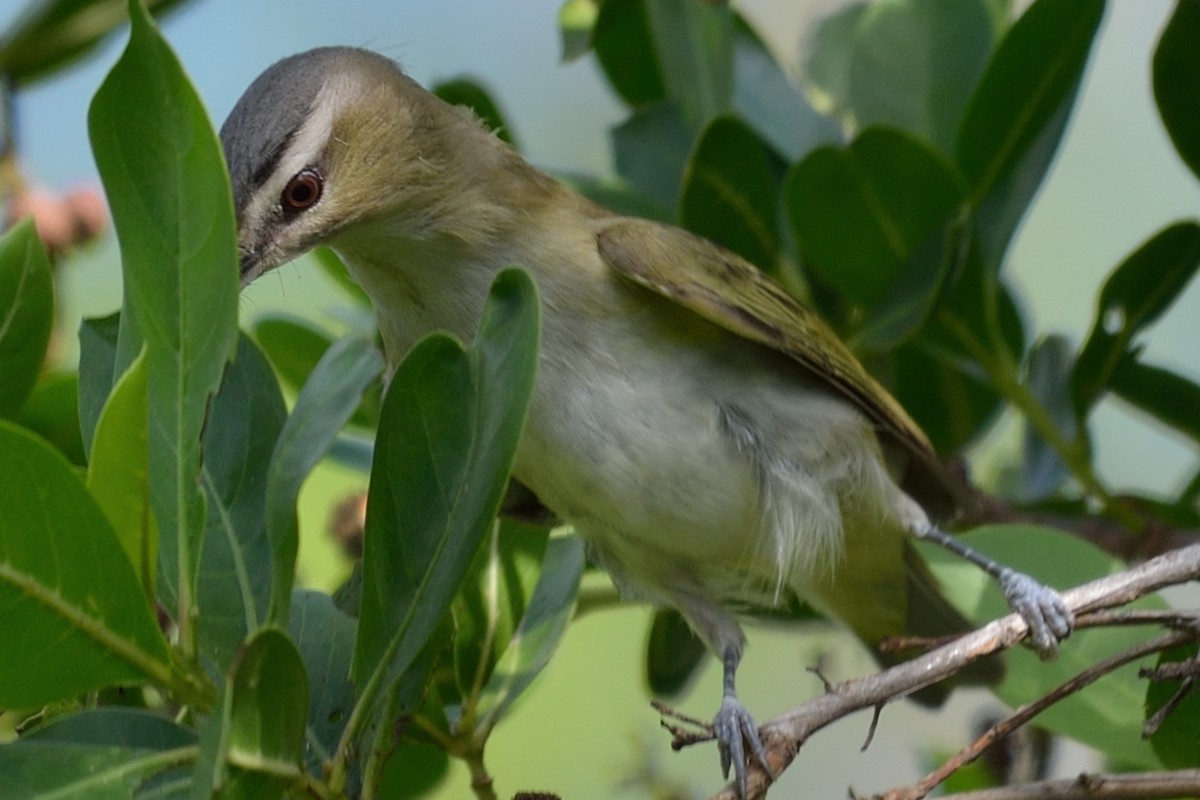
column 1030, row 710
column 784, row 735
column 1093, row 786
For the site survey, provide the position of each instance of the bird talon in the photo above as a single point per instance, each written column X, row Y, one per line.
column 1042, row 608
column 734, row 728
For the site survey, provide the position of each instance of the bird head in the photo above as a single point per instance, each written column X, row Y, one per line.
column 335, row 141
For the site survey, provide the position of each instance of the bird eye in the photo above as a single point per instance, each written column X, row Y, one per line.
column 302, row 191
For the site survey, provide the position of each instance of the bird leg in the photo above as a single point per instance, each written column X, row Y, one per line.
column 1042, row 608
column 735, row 728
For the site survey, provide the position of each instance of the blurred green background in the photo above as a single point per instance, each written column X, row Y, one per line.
column 1116, row 181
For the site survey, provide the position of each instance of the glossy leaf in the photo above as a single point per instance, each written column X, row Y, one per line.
column 937, row 378
column 860, row 213
column 1165, row 395
column 1108, row 714
column 538, row 634
column 52, row 412
column 97, row 359
column 74, row 615
column 768, row 101
column 1177, row 741
column 329, row 397
column 1048, row 372
column 26, row 313
column 1034, row 73
column 294, row 345
column 915, row 63
column 118, row 473
column 731, row 191
column 1136, row 294
column 162, row 168
column 463, row 92
column 1177, row 81
column 651, row 149
column 50, row 35
column 694, row 43
column 324, row 637
column 830, row 51
column 36, row 771
column 248, row 751
column 446, row 441
column 492, row 601
column 234, row 579
column 135, row 728
column 674, row 654
column 622, row 43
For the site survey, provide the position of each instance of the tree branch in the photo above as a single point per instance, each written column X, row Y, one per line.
column 784, row 735
column 1091, row 786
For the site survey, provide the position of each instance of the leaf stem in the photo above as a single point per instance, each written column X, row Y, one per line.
column 481, row 781
column 1004, row 373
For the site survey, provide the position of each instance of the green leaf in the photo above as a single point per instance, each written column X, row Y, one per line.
column 622, row 43
column 463, row 92
column 446, row 443
column 694, row 43
column 576, row 21
column 325, row 638
column 830, row 50
column 1177, row 741
column 52, row 412
column 97, row 362
column 234, row 581
column 536, row 638
column 26, row 313
column 1136, row 294
column 332, row 393
column 163, row 170
column 293, row 344
column 254, row 749
column 52, row 34
column 1107, row 715
column 37, row 771
column 731, row 191
column 119, row 473
column 1177, row 81
column 1048, row 371
column 915, row 63
column 938, row 379
column 860, row 213
column 1167, row 396
column 768, row 101
column 74, row 616
column 651, row 149
column 492, row 601
column 135, row 728
column 1034, row 73
column 673, row 654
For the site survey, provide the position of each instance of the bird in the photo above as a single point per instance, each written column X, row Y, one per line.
column 709, row 437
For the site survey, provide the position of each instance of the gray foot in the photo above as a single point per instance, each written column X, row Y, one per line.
column 1042, row 608
column 734, row 729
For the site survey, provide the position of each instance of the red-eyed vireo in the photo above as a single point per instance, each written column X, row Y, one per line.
column 708, row 436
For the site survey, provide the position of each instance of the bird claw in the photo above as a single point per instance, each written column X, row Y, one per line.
column 1042, row 608
column 734, row 728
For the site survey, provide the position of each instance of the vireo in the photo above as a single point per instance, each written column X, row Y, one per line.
column 710, row 438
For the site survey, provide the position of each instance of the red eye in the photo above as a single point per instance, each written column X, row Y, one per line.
column 302, row 191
